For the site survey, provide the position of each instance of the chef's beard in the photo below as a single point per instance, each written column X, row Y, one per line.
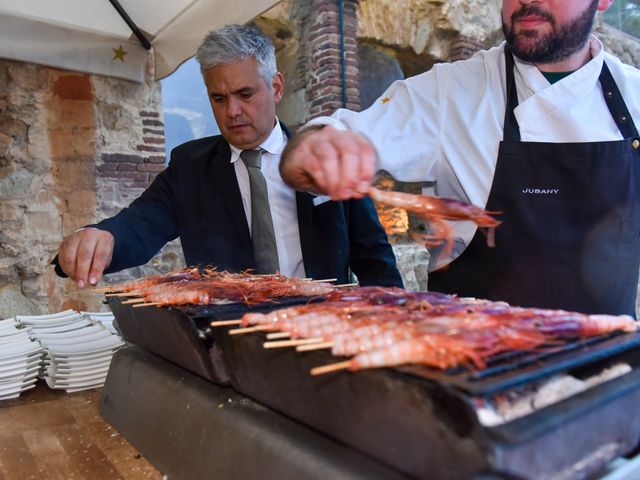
column 561, row 42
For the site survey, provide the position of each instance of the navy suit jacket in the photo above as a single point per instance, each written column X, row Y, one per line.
column 197, row 198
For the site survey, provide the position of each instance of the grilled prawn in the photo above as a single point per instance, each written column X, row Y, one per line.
column 436, row 211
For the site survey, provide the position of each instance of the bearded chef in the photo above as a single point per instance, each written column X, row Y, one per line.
column 543, row 128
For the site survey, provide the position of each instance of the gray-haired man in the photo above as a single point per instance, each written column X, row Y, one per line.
column 223, row 195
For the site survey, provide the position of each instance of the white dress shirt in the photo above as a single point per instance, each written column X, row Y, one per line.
column 445, row 125
column 282, row 202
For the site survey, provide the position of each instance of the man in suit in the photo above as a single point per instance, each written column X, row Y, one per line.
column 223, row 195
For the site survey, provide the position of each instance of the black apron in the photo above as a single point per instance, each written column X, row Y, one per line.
column 570, row 236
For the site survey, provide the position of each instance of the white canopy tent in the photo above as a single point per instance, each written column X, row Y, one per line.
column 92, row 36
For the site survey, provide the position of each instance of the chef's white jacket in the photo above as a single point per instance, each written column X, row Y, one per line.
column 445, row 125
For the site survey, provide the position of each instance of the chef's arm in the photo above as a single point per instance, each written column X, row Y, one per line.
column 399, row 133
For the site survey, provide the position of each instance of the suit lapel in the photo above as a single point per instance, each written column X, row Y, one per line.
column 304, row 203
column 225, row 175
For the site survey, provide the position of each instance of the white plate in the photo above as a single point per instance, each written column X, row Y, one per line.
column 56, row 368
column 20, row 373
column 79, row 381
column 23, row 356
column 23, row 378
column 7, row 388
column 98, row 314
column 93, row 346
column 50, row 321
column 77, row 373
column 28, row 318
column 82, row 323
column 95, row 358
column 79, row 368
column 87, row 382
column 17, row 393
column 50, row 341
column 12, row 336
column 22, row 349
column 20, row 362
column 21, row 336
column 79, row 334
column 8, row 324
column 88, row 387
column 18, row 367
column 75, row 388
column 67, row 369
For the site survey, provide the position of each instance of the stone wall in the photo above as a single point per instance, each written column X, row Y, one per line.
column 308, row 43
column 74, row 148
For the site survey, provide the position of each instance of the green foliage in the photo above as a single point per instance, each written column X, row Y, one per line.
column 624, row 15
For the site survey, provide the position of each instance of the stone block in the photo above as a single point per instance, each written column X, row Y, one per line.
column 121, row 157
column 151, row 167
column 64, row 142
column 72, row 173
column 127, row 167
column 13, row 302
column 149, row 148
column 12, row 210
column 152, row 123
column 70, row 114
column 115, row 118
column 162, row 158
column 41, row 227
column 413, row 264
column 153, row 131
column 73, row 87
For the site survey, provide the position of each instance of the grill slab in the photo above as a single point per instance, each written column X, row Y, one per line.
column 428, row 430
column 190, row 428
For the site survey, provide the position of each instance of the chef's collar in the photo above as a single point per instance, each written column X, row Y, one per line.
column 533, row 81
column 537, row 98
column 274, row 143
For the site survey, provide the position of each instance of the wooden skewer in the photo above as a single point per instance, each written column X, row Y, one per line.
column 345, row 285
column 152, row 304
column 314, row 346
column 258, row 328
column 102, row 289
column 333, row 367
column 121, row 294
column 224, row 323
column 133, row 300
column 325, row 280
column 276, row 335
column 291, row 343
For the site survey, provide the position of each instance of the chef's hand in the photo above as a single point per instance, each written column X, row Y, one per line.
column 341, row 164
column 85, row 254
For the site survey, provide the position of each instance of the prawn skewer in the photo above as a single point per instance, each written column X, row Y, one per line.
column 436, row 211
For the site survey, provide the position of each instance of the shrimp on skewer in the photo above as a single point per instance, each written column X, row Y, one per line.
column 433, row 350
column 437, row 210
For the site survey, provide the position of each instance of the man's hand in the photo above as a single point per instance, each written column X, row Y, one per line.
column 338, row 163
column 85, row 254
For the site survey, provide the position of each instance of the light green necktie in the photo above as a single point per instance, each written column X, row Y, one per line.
column 262, row 235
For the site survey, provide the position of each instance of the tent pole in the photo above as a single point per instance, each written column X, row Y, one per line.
column 134, row 28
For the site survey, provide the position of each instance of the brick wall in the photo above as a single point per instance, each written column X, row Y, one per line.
column 74, row 149
column 324, row 87
column 137, row 170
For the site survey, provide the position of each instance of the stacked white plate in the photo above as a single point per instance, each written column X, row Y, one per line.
column 78, row 352
column 103, row 318
column 20, row 360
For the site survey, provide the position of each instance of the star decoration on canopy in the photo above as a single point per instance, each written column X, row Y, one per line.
column 385, row 100
column 119, row 53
